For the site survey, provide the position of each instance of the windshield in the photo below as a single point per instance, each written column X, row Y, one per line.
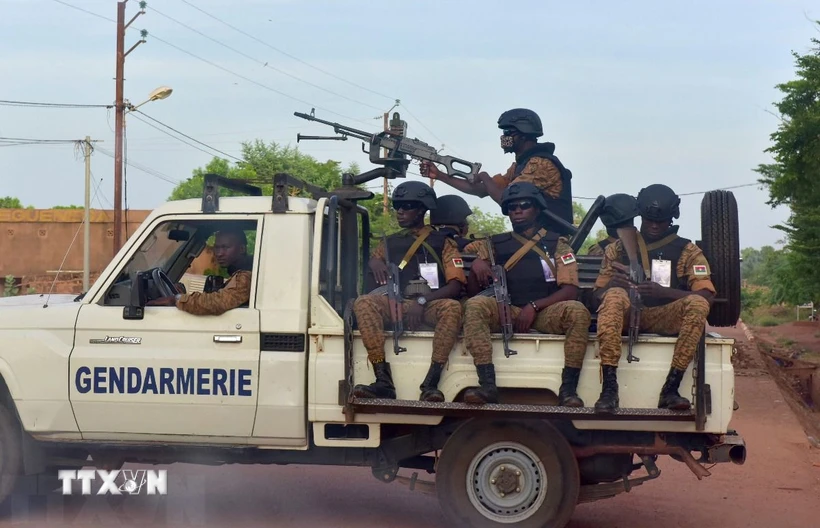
column 161, row 247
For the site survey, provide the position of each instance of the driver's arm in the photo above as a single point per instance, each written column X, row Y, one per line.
column 237, row 291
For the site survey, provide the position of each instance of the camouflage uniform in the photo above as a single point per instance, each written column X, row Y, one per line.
column 235, row 293
column 597, row 249
column 685, row 317
column 570, row 318
column 372, row 311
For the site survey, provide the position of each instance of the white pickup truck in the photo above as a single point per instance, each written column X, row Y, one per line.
column 101, row 380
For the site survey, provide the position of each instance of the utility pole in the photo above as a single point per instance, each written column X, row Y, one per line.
column 87, row 148
column 384, row 155
column 119, row 105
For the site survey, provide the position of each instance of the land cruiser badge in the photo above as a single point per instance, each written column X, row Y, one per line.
column 116, row 340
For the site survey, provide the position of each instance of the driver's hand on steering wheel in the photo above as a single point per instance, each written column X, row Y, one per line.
column 162, row 301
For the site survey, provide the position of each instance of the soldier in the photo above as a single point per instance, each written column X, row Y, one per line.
column 542, row 280
column 230, row 250
column 450, row 218
column 677, row 300
column 421, row 253
column 534, row 163
column 616, row 210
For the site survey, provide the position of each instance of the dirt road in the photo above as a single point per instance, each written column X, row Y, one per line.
column 778, row 486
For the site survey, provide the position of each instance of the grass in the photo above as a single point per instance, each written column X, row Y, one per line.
column 769, row 315
column 782, row 341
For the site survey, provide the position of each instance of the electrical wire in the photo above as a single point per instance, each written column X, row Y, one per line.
column 143, row 168
column 264, row 64
column 33, row 104
column 185, row 135
column 374, row 92
column 685, row 194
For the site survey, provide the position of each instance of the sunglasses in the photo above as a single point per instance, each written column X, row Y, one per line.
column 515, row 206
column 406, row 206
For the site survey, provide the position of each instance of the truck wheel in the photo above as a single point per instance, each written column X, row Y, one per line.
column 10, row 453
column 721, row 245
column 495, row 473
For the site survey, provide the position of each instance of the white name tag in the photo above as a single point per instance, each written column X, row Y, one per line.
column 548, row 276
column 429, row 272
column 662, row 272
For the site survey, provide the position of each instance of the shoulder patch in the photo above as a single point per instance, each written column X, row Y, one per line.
column 699, row 270
column 457, row 262
column 569, row 258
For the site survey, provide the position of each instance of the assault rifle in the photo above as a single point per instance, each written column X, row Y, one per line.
column 629, row 239
column 398, row 149
column 502, row 297
column 394, row 299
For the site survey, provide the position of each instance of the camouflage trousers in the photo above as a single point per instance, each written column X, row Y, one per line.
column 373, row 312
column 570, row 318
column 685, row 317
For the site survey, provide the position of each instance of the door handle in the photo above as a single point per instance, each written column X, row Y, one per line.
column 227, row 339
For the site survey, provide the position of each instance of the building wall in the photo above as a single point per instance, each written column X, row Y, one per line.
column 33, row 243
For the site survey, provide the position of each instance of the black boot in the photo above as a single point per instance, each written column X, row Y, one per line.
column 608, row 401
column 429, row 387
column 670, row 399
column 567, row 395
column 487, row 392
column 382, row 388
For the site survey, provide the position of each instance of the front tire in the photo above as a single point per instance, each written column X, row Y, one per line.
column 11, row 455
column 495, row 473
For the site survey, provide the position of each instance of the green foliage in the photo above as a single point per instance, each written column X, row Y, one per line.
column 783, row 273
column 9, row 202
column 68, row 207
column 792, row 178
column 767, row 321
column 483, row 224
column 10, row 288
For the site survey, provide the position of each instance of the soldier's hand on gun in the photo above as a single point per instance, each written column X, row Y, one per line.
column 429, row 170
column 651, row 290
column 415, row 315
column 379, row 269
column 481, row 270
column 525, row 318
column 619, row 280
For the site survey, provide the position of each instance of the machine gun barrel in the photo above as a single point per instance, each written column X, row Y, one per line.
column 337, row 127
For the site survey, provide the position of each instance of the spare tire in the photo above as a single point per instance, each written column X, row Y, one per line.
column 721, row 245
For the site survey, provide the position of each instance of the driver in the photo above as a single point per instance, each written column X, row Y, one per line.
column 230, row 250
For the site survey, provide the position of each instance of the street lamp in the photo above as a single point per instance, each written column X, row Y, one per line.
column 123, row 108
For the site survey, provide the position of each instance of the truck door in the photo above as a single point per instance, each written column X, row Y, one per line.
column 169, row 372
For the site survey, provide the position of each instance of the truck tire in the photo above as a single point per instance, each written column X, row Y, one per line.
column 11, row 455
column 721, row 245
column 505, row 473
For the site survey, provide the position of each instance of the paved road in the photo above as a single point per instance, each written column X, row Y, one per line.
column 778, row 486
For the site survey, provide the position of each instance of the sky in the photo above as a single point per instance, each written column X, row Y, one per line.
column 631, row 92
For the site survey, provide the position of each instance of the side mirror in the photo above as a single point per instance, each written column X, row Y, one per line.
column 135, row 309
column 179, row 235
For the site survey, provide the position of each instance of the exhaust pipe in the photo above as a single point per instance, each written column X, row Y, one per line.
column 732, row 449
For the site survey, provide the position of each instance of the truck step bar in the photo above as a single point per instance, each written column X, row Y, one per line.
column 467, row 410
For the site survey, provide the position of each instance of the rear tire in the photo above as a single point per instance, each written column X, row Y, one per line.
column 503, row 473
column 721, row 246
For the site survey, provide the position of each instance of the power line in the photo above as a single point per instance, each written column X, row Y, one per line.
column 34, row 104
column 684, row 194
column 286, row 53
column 262, row 63
column 85, row 11
column 184, row 135
column 37, row 140
column 143, row 168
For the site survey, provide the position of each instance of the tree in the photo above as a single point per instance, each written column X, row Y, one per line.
column 9, row 202
column 792, row 178
column 579, row 212
column 484, row 224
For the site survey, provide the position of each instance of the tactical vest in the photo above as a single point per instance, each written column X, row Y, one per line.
column 671, row 252
column 561, row 206
column 525, row 281
column 605, row 242
column 460, row 241
column 399, row 243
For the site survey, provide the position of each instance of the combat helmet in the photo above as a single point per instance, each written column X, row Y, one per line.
column 415, row 191
column 524, row 120
column 658, row 203
column 619, row 210
column 520, row 191
column 450, row 210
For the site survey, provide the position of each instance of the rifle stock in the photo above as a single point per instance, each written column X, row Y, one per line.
column 394, row 299
column 629, row 239
column 502, row 297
